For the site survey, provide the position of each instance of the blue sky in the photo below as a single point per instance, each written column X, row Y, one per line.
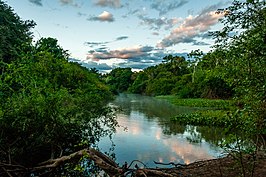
column 123, row 33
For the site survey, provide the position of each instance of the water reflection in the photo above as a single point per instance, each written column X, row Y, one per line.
column 147, row 134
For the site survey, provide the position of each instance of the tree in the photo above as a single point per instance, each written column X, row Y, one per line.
column 51, row 45
column 242, row 42
column 15, row 34
column 241, row 46
column 196, row 58
column 119, row 79
column 49, row 107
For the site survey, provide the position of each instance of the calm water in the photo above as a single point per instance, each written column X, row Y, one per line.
column 147, row 134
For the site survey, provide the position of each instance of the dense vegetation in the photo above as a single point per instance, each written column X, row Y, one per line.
column 49, row 107
column 176, row 76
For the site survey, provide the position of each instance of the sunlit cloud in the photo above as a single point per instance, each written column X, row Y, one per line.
column 109, row 3
column 191, row 28
column 123, row 53
column 103, row 17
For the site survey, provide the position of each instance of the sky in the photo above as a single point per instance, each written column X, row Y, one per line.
column 106, row 34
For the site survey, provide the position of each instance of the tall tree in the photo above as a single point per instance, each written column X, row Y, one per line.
column 242, row 43
column 15, row 34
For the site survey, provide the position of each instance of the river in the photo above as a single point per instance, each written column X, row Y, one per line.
column 147, row 134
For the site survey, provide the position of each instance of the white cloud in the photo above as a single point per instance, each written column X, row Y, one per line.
column 104, row 17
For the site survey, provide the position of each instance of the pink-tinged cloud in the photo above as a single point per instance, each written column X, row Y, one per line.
column 124, row 53
column 109, row 3
column 191, row 28
column 103, row 17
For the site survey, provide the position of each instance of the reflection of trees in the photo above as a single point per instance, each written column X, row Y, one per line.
column 172, row 128
column 212, row 135
column 149, row 106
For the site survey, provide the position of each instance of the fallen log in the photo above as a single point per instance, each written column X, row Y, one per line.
column 100, row 159
column 103, row 162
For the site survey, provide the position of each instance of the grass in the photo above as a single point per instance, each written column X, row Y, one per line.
column 215, row 114
column 217, row 118
column 198, row 102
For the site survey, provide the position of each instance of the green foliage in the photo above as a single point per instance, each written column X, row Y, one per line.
column 210, row 103
column 215, row 87
column 140, row 83
column 47, row 104
column 119, row 79
column 242, row 45
column 15, row 35
column 49, row 107
column 181, row 77
column 217, row 118
column 51, row 45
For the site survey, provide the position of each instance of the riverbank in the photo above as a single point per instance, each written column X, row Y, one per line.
column 222, row 113
column 224, row 167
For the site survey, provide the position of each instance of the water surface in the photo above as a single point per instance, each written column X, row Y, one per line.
column 147, row 134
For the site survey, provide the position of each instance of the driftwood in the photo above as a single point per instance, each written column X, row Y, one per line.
column 104, row 163
column 100, row 159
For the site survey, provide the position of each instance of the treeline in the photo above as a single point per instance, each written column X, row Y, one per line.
column 49, row 107
column 176, row 75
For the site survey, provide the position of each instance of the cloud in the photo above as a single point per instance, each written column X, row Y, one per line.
column 124, row 53
column 191, row 28
column 155, row 34
column 66, row 2
column 63, row 2
column 137, row 58
column 95, row 44
column 166, row 6
column 36, row 2
column 158, row 23
column 109, row 3
column 103, row 17
column 200, row 43
column 121, row 38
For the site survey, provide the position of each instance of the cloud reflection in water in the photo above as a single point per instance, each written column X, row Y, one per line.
column 145, row 138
